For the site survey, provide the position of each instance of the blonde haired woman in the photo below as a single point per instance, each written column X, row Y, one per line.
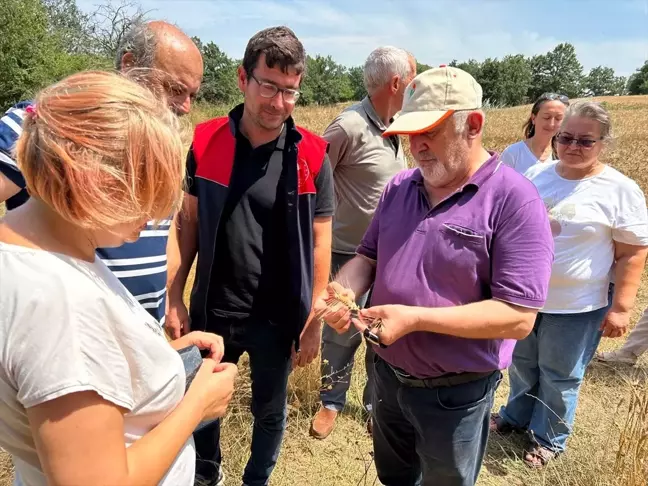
column 91, row 392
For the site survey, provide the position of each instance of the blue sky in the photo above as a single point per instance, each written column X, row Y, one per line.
column 612, row 33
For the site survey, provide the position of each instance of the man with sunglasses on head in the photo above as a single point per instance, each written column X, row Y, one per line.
column 257, row 212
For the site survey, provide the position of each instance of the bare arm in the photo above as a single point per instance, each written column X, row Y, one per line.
column 182, row 247
column 488, row 319
column 630, row 261
column 357, row 274
column 7, row 188
column 311, row 335
column 181, row 253
column 322, row 238
column 80, row 437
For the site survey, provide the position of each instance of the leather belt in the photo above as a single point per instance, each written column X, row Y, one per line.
column 450, row 379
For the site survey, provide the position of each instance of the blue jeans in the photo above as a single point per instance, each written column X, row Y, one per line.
column 270, row 366
column 430, row 436
column 546, row 374
column 338, row 352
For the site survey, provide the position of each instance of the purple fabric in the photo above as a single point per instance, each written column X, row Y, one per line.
column 491, row 239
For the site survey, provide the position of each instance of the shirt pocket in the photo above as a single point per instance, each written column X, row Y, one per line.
column 462, row 234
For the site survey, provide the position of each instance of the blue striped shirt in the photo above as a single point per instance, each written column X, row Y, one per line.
column 10, row 130
column 140, row 266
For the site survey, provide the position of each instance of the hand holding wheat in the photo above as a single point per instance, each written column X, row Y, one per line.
column 334, row 306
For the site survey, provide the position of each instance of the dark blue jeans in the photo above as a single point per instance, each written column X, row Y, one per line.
column 430, row 436
column 270, row 366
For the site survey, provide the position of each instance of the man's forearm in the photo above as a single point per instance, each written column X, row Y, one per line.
column 322, row 270
column 181, row 253
column 488, row 319
column 627, row 275
column 357, row 274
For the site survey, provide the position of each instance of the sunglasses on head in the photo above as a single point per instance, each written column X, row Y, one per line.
column 581, row 142
column 554, row 97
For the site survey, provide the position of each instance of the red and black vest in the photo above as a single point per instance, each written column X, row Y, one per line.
column 214, row 146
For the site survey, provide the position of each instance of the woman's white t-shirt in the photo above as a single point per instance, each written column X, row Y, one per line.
column 587, row 216
column 519, row 157
column 68, row 326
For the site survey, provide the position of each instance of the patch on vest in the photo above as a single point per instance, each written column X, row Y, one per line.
column 306, row 184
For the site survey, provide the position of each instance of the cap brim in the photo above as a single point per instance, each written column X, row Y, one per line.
column 417, row 122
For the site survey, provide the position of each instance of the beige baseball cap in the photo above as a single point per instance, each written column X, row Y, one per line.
column 433, row 96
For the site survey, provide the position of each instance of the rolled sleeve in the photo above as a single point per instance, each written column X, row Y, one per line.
column 522, row 256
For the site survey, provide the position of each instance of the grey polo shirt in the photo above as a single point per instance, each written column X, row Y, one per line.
column 363, row 162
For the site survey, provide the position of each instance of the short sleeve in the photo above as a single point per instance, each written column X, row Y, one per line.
column 190, row 174
column 508, row 156
column 338, row 141
column 631, row 222
column 522, row 256
column 325, row 196
column 63, row 343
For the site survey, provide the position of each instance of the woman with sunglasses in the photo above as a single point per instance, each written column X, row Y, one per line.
column 539, row 131
column 91, row 392
column 600, row 228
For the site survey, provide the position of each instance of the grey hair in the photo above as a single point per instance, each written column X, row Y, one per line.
column 593, row 111
column 141, row 42
column 461, row 119
column 383, row 63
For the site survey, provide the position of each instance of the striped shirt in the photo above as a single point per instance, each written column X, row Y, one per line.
column 10, row 130
column 140, row 266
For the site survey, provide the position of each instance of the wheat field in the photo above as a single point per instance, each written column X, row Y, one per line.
column 609, row 446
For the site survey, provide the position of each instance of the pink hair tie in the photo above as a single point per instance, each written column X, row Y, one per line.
column 31, row 111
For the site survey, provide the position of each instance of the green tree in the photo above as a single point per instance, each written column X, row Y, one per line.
column 325, row 82
column 472, row 67
column 66, row 21
column 219, row 84
column 420, row 67
column 515, row 79
column 556, row 71
column 29, row 55
column 638, row 82
column 601, row 81
column 356, row 79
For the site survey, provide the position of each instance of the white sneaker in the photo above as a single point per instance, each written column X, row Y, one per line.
column 617, row 356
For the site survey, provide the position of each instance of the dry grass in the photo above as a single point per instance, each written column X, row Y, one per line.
column 609, row 446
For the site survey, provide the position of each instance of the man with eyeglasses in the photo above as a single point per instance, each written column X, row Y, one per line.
column 257, row 212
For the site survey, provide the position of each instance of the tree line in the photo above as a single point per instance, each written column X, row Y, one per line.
column 42, row 41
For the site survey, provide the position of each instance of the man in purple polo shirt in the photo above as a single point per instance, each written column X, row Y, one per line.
column 459, row 252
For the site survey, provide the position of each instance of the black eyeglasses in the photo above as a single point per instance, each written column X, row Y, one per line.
column 581, row 142
column 269, row 90
column 553, row 97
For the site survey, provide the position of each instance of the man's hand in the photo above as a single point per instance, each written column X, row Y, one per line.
column 309, row 343
column 615, row 324
column 397, row 321
column 337, row 315
column 177, row 319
